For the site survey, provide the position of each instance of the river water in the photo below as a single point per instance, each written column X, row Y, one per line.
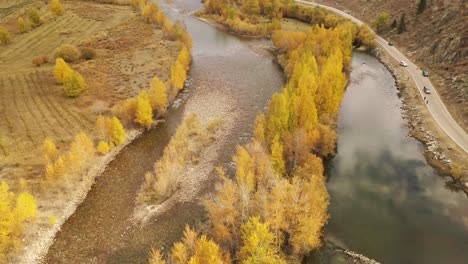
column 386, row 201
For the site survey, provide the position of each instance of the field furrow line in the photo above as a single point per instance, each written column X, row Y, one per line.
column 19, row 111
column 89, row 29
column 44, row 46
column 72, row 119
column 78, row 118
column 51, row 108
column 3, row 92
column 7, row 122
column 37, row 37
column 31, row 37
column 35, row 114
column 54, row 129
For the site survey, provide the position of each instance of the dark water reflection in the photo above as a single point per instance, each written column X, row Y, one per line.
column 387, row 203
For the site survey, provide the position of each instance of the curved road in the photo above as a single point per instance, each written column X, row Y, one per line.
column 435, row 105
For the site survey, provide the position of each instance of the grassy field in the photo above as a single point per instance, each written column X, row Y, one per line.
column 33, row 106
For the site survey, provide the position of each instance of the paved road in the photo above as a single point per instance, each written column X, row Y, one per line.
column 435, row 105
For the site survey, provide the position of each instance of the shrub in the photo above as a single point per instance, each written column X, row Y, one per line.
column 74, row 83
column 23, row 27
column 144, row 112
column 88, row 53
column 103, row 147
column 40, row 60
column 5, row 36
column 34, row 17
column 52, row 220
column 67, row 52
column 118, row 131
column 56, row 7
column 60, row 68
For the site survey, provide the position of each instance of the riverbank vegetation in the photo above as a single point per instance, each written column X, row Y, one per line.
column 273, row 208
column 59, row 122
column 264, row 17
column 185, row 148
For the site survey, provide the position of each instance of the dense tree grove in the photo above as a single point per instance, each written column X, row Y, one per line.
column 273, row 209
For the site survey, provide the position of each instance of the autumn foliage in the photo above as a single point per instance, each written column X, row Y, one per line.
column 73, row 83
column 67, row 52
column 22, row 25
column 184, row 148
column 79, row 155
column 5, row 36
column 274, row 207
column 56, row 7
column 15, row 211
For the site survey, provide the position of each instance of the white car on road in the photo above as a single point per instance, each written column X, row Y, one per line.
column 403, row 63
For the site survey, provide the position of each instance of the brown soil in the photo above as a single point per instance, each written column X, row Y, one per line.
column 33, row 106
column 436, row 40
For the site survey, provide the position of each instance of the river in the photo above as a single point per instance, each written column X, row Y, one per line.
column 386, row 201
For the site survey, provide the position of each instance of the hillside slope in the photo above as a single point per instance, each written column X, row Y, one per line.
column 437, row 40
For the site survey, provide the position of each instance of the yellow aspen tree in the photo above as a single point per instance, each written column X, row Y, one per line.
column 5, row 36
column 160, row 18
column 307, row 213
column 244, row 169
column 118, row 131
column 207, row 251
column 50, row 171
column 275, row 210
column 7, row 219
column 178, row 76
column 184, row 57
column 104, row 127
column 50, row 150
column 224, row 214
column 146, row 13
column 258, row 246
column 22, row 26
column 61, row 67
column 85, row 143
column 56, row 7
column 158, row 96
column 74, row 83
column 259, row 131
column 184, row 250
column 103, row 147
column 26, row 208
column 60, row 168
column 144, row 112
column 34, row 17
column 127, row 110
column 156, row 257
column 278, row 116
column 179, row 254
column 167, row 28
column 277, row 156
